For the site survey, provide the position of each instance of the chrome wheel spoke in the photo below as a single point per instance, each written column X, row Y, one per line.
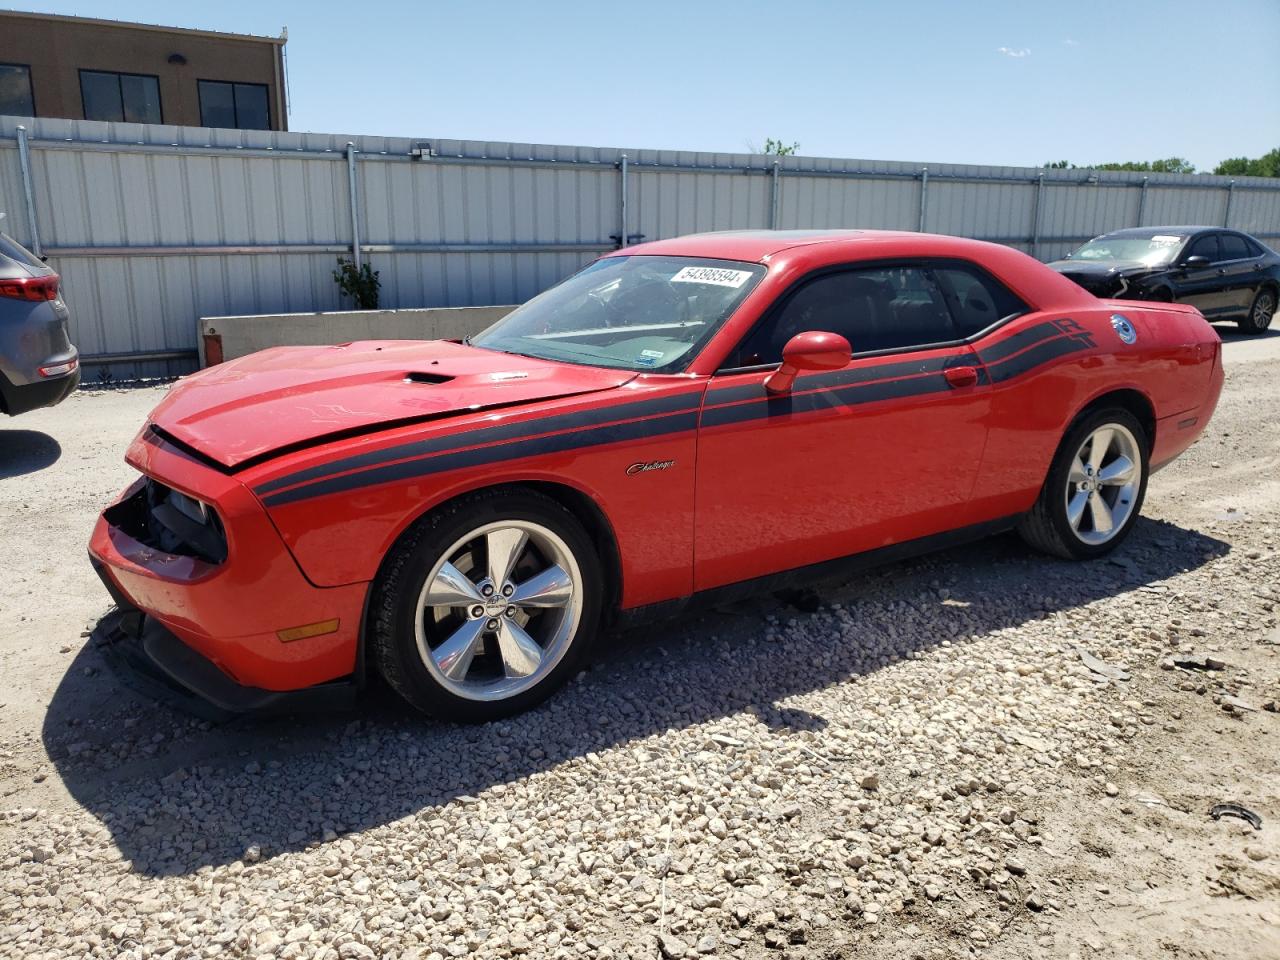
column 1116, row 473
column 452, row 588
column 454, row 656
column 1099, row 447
column 520, row 652
column 504, row 547
column 1075, row 508
column 552, row 587
column 1100, row 513
column 1077, row 473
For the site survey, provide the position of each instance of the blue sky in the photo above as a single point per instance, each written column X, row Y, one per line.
column 923, row 80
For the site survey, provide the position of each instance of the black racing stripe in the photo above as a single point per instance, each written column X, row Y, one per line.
column 517, row 449
column 510, row 431
column 1043, row 353
column 837, row 378
column 849, row 395
column 1019, row 341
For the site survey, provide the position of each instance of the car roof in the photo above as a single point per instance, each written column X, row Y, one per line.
column 1159, row 231
column 759, row 246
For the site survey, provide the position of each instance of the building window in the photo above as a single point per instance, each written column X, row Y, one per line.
column 128, row 97
column 15, row 90
column 240, row 106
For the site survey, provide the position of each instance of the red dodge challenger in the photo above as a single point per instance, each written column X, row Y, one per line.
column 688, row 419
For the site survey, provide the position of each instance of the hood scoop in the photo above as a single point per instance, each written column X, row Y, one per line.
column 419, row 376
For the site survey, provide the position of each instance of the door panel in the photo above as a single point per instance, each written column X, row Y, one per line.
column 1202, row 286
column 1240, row 273
column 883, row 451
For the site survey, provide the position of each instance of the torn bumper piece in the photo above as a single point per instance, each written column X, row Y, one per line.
column 152, row 661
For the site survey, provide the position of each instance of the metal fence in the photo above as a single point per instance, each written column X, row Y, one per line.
column 152, row 227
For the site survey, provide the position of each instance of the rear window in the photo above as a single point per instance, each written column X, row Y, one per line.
column 12, row 249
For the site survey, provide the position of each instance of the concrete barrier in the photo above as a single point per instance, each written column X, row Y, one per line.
column 226, row 338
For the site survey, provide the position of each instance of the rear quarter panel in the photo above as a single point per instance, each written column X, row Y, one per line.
column 1171, row 365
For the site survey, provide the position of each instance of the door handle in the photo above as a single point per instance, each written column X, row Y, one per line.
column 1222, row 271
column 961, row 376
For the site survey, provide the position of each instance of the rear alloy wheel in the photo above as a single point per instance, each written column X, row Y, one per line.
column 1094, row 490
column 484, row 611
column 1261, row 313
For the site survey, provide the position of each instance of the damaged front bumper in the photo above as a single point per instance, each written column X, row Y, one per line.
column 149, row 659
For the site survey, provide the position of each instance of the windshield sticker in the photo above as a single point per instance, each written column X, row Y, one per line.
column 652, row 354
column 716, row 276
column 1165, row 240
column 647, row 361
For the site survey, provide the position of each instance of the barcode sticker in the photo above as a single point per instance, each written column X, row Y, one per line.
column 716, row 276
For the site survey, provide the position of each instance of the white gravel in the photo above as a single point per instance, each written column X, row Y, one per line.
column 923, row 767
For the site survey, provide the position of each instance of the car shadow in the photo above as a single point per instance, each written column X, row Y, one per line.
column 178, row 794
column 1232, row 333
column 26, row 451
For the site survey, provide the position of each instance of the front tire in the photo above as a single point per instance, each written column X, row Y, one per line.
column 1094, row 490
column 487, row 606
column 1261, row 312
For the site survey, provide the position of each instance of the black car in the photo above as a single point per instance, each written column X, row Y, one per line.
column 1225, row 274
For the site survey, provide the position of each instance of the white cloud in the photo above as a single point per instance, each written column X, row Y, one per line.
column 1017, row 53
column 1071, row 43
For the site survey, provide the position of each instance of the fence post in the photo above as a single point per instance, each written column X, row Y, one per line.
column 774, row 196
column 356, row 256
column 924, row 196
column 1035, row 217
column 24, row 163
column 1142, row 200
column 1231, row 193
column 622, row 201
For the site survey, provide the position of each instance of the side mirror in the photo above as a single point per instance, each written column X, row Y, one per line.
column 1196, row 261
column 812, row 350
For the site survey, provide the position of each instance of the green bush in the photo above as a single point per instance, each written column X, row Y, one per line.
column 360, row 284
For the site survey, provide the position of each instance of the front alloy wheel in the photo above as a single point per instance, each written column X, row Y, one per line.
column 486, row 606
column 498, row 610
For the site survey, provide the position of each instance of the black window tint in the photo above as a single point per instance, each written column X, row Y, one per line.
column 878, row 309
column 15, row 91
column 1254, row 249
column 977, row 300
column 251, row 106
column 1234, row 247
column 128, row 97
column 101, row 94
column 240, row 106
column 1205, row 247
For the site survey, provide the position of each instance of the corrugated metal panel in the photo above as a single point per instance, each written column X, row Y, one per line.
column 484, row 222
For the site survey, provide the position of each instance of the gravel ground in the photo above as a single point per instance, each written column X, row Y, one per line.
column 922, row 766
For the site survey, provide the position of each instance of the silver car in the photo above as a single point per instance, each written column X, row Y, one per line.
column 38, row 365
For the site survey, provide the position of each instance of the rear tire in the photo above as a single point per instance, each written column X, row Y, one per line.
column 1094, row 490
column 485, row 607
column 1260, row 314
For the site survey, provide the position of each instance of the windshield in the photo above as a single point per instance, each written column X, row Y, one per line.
column 638, row 313
column 1152, row 251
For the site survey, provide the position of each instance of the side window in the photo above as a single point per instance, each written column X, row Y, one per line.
column 878, row 309
column 1205, row 247
column 1254, row 249
column 976, row 299
column 1234, row 247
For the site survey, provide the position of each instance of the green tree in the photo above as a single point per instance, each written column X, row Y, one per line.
column 1267, row 165
column 777, row 148
column 1168, row 165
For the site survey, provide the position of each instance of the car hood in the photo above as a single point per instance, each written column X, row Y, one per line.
column 1101, row 268
column 288, row 398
